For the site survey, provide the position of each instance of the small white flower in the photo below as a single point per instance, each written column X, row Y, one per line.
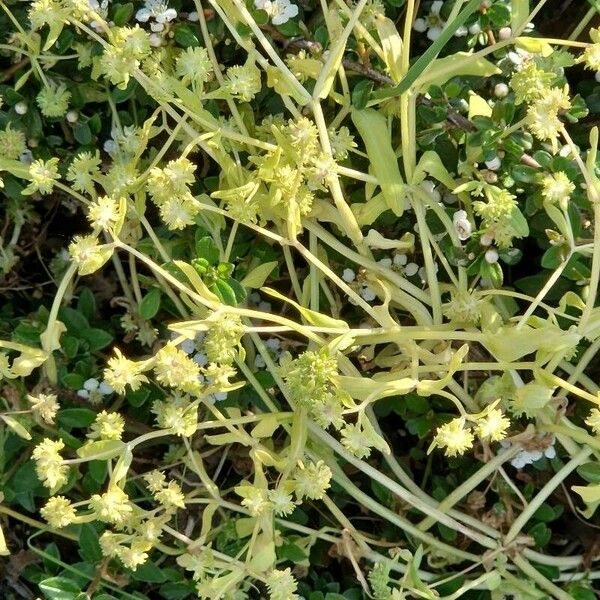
column 158, row 11
column 155, row 40
column 110, row 146
column 72, row 116
column 254, row 297
column 259, row 362
column 505, row 33
column 411, row 269
column 527, row 457
column 400, row 260
column 494, row 164
column 348, row 275
column 200, row 359
column 26, row 157
column 264, row 306
column 21, row 108
column 367, row 293
column 429, row 187
column 423, row 273
column 475, row 29
column 94, row 390
column 491, row 256
column 487, row 238
column 462, row 31
column 280, row 11
column 193, row 17
column 187, row 346
column 433, row 24
column 462, row 225
column 385, row 262
column 274, row 345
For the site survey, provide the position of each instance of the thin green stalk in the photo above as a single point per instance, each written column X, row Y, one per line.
column 46, row 337
column 595, row 275
column 544, row 583
column 470, row 484
column 398, row 490
column 431, row 273
column 541, row 495
column 421, row 64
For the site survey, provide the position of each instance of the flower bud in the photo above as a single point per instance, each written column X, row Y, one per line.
column 501, row 90
column 491, row 256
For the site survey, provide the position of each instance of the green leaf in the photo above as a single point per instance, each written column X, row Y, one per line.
column 238, row 289
column 442, row 70
column 102, row 449
column 224, row 291
column 86, row 304
column 96, row 338
column 424, row 61
column 150, row 304
column 16, row 426
column 207, row 249
column 82, row 133
column 373, row 129
column 519, row 13
column 590, row 472
column 89, row 547
column 75, row 417
column 175, row 591
column 122, row 14
column 311, row 316
column 257, row 277
column 185, row 37
column 73, row 381
column 149, row 573
column 60, row 588
column 74, row 320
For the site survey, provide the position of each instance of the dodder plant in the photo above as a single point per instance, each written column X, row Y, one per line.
column 306, row 156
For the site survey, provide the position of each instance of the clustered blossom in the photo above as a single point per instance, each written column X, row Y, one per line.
column 168, row 494
column 593, row 420
column 169, row 190
column 45, row 405
column 103, row 213
column 107, row 426
column 122, row 372
column 178, row 413
column 43, row 175
column 49, row 463
column 173, row 368
column 113, row 506
column 59, row 512
column 53, row 101
column 193, row 66
column 83, row 171
column 88, row 254
column 282, row 585
column 130, row 45
column 455, row 437
column 222, row 340
column 557, row 189
column 591, row 55
column 12, row 143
